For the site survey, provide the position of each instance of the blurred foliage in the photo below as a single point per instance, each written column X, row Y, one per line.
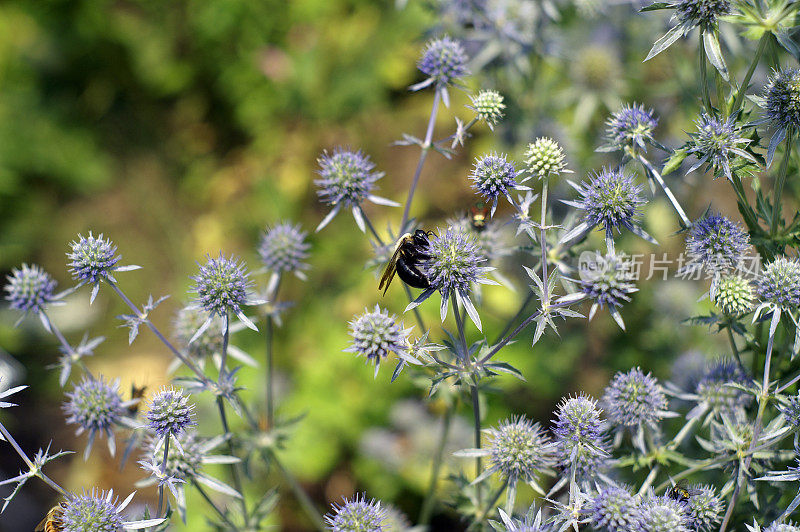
column 181, row 128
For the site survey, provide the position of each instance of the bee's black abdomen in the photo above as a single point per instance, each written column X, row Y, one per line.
column 411, row 275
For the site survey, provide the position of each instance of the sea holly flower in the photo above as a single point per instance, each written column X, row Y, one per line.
column 778, row 290
column 444, row 61
column 543, row 158
column 96, row 406
column 283, row 249
column 635, row 401
column 518, row 450
column 492, row 239
column 170, row 413
column 607, row 280
column 223, row 287
column 717, row 142
column 704, row 508
column 531, row 522
column 376, row 335
column 662, row 514
column 98, row 511
column 494, row 176
column 488, row 106
column 690, row 14
column 610, row 199
column 208, row 344
column 777, row 526
column 613, row 509
column 781, row 104
column 716, row 243
column 93, row 260
column 453, row 266
column 719, row 392
column 630, row 128
column 346, row 179
column 732, row 294
column 30, row 289
column 357, row 515
column 580, row 435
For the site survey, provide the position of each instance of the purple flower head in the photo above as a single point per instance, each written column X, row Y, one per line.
column 703, row 13
column 222, row 285
column 782, row 527
column 443, row 61
column 662, row 514
column 715, row 393
column 519, row 450
column 779, row 283
column 283, row 248
column 782, row 99
column 631, row 126
column 185, row 465
column 608, row 281
column 717, row 142
column 717, row 243
column 92, row 260
column 579, row 434
column 29, row 288
column 357, row 515
column 170, row 413
column 613, row 509
column 791, row 410
column 704, row 508
column 376, row 335
column 97, row 511
column 634, row 399
column 492, row 176
column 95, row 406
column 610, row 199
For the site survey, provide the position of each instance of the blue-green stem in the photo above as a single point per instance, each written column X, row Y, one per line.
column 163, row 473
column 488, row 508
column 269, row 337
column 740, row 94
column 237, row 481
column 31, row 466
column 213, row 505
column 226, row 334
column 780, row 180
column 673, row 201
column 543, row 244
column 704, row 74
column 302, row 497
column 426, row 146
column 511, row 496
column 430, row 498
column 63, row 341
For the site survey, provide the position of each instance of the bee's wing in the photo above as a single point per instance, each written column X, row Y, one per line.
column 389, row 271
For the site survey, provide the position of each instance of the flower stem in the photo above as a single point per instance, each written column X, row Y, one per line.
column 430, row 498
column 780, row 180
column 213, row 505
column 734, row 349
column 511, row 497
column 163, row 473
column 488, row 508
column 426, row 146
column 704, row 74
column 63, row 341
column 371, row 227
column 226, row 334
column 740, row 94
column 302, row 497
column 543, row 244
column 237, row 481
column 31, row 466
column 673, row 201
column 268, row 332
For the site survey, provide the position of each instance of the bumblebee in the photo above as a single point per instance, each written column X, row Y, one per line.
column 479, row 215
column 409, row 252
column 679, row 493
column 137, row 393
column 52, row 521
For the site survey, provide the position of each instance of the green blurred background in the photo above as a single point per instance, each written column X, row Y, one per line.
column 183, row 128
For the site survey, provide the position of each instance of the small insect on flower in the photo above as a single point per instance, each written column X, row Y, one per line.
column 479, row 214
column 679, row 493
column 52, row 521
column 137, row 395
column 409, row 252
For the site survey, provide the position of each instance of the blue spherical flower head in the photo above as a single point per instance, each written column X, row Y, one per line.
column 580, row 435
column 170, row 413
column 610, row 200
column 283, row 249
column 613, row 509
column 222, row 286
column 782, row 99
column 714, row 392
column 95, row 406
column 631, row 127
column 29, row 289
column 662, row 514
column 494, row 176
column 444, row 61
column 717, row 243
column 357, row 515
column 633, row 400
column 94, row 259
column 703, row 13
column 607, row 280
column 454, row 264
column 778, row 286
column 791, row 411
column 376, row 335
column 346, row 180
column 717, row 142
column 782, row 527
column 704, row 508
column 98, row 511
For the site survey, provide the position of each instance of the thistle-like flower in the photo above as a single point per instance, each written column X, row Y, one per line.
column 716, row 396
column 283, row 249
column 716, row 243
column 492, row 176
column 94, row 259
column 454, row 265
column 732, row 294
column 98, row 511
column 613, row 509
column 444, row 61
column 518, row 450
column 580, row 435
column 630, row 127
column 346, row 180
column 778, row 286
column 29, row 289
column 704, row 508
column 662, row 514
column 781, row 104
column 791, row 410
column 488, row 106
column 376, row 335
column 782, row 527
column 544, row 158
column 223, row 287
column 96, row 406
column 610, row 199
column 717, row 142
column 608, row 281
column 170, row 413
column 634, row 400
column 357, row 515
